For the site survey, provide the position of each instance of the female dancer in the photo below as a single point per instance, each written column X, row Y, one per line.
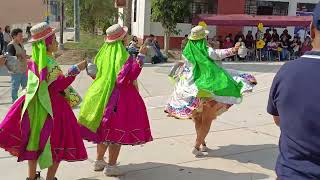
column 203, row 89
column 40, row 126
column 113, row 112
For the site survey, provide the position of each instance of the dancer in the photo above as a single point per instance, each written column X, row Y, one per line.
column 113, row 112
column 204, row 89
column 40, row 126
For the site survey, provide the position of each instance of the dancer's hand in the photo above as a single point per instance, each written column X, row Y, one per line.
column 82, row 65
column 2, row 60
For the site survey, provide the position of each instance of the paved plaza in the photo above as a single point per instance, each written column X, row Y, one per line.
column 243, row 141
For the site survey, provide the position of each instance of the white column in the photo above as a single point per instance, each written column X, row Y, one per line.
column 292, row 8
column 120, row 18
column 292, row 11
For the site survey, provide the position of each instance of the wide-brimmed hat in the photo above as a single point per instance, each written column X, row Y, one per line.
column 41, row 31
column 197, row 33
column 116, row 33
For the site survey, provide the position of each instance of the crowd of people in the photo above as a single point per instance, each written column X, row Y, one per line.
column 153, row 55
column 6, row 37
column 276, row 47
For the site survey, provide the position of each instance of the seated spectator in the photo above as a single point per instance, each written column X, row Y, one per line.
column 242, row 44
column 275, row 35
column 151, row 52
column 285, row 33
column 295, row 47
column 249, row 40
column 227, row 43
column 133, row 47
column 267, row 36
column 284, row 44
column 272, row 48
column 238, row 36
column 214, row 43
column 306, row 46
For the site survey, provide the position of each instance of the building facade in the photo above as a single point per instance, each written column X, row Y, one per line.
column 142, row 25
column 18, row 13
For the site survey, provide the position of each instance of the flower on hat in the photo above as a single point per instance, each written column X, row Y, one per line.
column 203, row 24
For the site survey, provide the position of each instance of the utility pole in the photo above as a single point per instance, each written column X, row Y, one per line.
column 61, row 24
column 47, row 13
column 76, row 21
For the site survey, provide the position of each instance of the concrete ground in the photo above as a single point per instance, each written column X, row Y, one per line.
column 243, row 141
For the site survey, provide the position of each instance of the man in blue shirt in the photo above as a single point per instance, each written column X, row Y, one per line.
column 294, row 103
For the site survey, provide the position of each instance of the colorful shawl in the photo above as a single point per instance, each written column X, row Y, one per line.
column 109, row 60
column 210, row 79
column 37, row 104
column 37, row 107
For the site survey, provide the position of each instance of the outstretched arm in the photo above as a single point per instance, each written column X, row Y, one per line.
column 219, row 54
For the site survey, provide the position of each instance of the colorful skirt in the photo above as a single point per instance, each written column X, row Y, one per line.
column 63, row 131
column 182, row 105
column 125, row 120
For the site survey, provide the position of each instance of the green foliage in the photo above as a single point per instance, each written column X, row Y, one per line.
column 93, row 14
column 170, row 12
column 87, row 41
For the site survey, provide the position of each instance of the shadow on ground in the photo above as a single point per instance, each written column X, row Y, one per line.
column 159, row 171
column 254, row 154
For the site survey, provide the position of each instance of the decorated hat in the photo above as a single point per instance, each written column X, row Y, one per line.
column 116, row 33
column 197, row 33
column 41, row 31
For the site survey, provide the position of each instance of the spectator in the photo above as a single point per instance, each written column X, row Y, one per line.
column 6, row 37
column 272, row 48
column 286, row 33
column 231, row 37
column 306, row 46
column 15, row 48
column 238, row 36
column 160, row 57
column 28, row 30
column 133, row 47
column 294, row 104
column 242, row 44
column 284, row 44
column 214, row 43
column 249, row 40
column 295, row 47
column 275, row 35
column 184, row 42
column 267, row 35
column 1, row 41
column 227, row 43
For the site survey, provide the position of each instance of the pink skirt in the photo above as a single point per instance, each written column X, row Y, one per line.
column 125, row 120
column 63, row 131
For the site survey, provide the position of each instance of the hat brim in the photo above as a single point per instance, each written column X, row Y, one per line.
column 44, row 37
column 125, row 28
column 198, row 38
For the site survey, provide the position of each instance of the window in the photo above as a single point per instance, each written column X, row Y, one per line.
column 202, row 7
column 256, row 7
column 135, row 11
column 305, row 7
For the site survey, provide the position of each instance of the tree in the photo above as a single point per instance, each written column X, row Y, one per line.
column 169, row 13
column 93, row 13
